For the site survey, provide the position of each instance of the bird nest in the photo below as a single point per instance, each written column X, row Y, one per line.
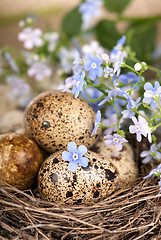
column 131, row 213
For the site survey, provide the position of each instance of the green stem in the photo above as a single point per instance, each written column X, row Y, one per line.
column 139, row 19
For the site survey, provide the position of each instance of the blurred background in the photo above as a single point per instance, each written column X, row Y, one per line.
column 51, row 13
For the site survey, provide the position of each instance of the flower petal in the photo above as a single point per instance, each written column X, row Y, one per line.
column 73, row 166
column 92, row 74
column 66, row 156
column 83, row 161
column 82, row 150
column 72, row 147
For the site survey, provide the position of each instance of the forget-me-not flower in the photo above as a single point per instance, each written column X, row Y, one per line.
column 128, row 112
column 52, row 39
column 39, row 70
column 116, row 140
column 98, row 119
column 75, row 156
column 153, row 153
column 93, row 65
column 113, row 93
column 94, row 47
column 111, row 120
column 154, row 172
column 108, row 72
column 66, row 57
column 20, row 90
column 31, row 37
column 78, row 84
column 89, row 10
column 69, row 82
column 92, row 93
column 129, row 78
column 151, row 93
column 140, row 127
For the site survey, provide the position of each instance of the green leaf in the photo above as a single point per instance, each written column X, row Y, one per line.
column 71, row 24
column 116, row 5
column 107, row 34
column 141, row 38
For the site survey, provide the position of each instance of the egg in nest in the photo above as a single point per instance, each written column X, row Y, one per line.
column 54, row 118
column 20, row 159
column 86, row 185
column 123, row 160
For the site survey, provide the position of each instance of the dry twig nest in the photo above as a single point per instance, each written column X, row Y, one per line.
column 132, row 213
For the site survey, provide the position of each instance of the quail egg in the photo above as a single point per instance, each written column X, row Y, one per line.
column 123, row 160
column 54, row 118
column 20, row 159
column 56, row 183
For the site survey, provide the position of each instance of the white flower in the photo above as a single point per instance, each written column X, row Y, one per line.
column 140, row 127
column 39, row 71
column 31, row 37
column 67, row 56
column 52, row 39
column 20, row 90
column 94, row 47
column 137, row 67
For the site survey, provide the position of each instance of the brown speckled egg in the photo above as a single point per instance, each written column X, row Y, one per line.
column 123, row 160
column 53, row 119
column 20, row 159
column 86, row 185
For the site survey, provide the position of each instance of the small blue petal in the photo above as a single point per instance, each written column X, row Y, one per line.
column 92, row 75
column 72, row 147
column 66, row 156
column 83, row 161
column 73, row 166
column 100, row 72
column 82, row 150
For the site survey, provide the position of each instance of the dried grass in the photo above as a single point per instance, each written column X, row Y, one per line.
column 131, row 213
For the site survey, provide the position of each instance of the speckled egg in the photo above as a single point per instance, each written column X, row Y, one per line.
column 123, row 160
column 86, row 185
column 20, row 159
column 53, row 119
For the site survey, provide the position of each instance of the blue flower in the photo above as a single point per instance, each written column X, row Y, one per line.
column 78, row 85
column 128, row 112
column 108, row 72
column 116, row 51
column 154, row 172
column 75, row 156
column 152, row 153
column 116, row 140
column 93, row 66
column 90, row 9
column 98, row 119
column 93, row 93
column 129, row 78
column 151, row 93
column 113, row 93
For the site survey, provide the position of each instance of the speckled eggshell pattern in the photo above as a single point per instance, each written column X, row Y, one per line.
column 20, row 159
column 123, row 160
column 53, row 119
column 86, row 185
